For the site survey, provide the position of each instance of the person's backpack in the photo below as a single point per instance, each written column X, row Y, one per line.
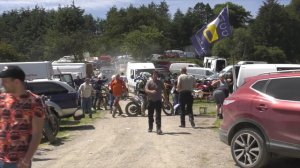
column 140, row 85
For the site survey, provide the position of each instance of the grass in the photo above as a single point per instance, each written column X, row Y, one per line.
column 211, row 111
column 69, row 124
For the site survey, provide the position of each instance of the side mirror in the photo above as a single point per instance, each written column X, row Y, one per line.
column 132, row 77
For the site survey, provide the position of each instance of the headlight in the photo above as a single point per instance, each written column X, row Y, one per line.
column 226, row 102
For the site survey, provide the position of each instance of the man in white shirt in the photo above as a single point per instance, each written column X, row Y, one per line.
column 185, row 87
column 85, row 90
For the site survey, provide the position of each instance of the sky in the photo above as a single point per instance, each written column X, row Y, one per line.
column 99, row 8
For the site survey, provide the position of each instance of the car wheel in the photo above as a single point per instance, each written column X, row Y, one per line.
column 248, row 149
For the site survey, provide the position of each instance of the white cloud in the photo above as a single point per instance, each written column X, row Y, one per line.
column 49, row 4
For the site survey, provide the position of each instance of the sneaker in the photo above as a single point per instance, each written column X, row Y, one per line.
column 182, row 126
column 220, row 116
column 159, row 132
column 193, row 124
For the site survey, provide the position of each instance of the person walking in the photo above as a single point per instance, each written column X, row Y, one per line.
column 22, row 116
column 97, row 86
column 118, row 88
column 154, row 89
column 85, row 91
column 185, row 86
column 111, row 97
column 220, row 94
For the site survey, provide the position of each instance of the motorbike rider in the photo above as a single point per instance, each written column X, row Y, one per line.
column 97, row 85
column 140, row 89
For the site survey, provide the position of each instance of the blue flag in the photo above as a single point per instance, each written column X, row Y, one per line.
column 211, row 33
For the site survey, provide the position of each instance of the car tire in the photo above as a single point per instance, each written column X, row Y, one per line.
column 249, row 149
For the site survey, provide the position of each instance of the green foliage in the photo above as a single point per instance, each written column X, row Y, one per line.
column 143, row 42
column 8, row 53
column 238, row 16
column 269, row 54
column 39, row 34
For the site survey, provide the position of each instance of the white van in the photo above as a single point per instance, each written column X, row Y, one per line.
column 175, row 67
column 198, row 72
column 33, row 70
column 133, row 71
column 257, row 69
column 251, row 62
column 214, row 63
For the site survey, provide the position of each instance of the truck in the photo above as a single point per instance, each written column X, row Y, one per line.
column 214, row 63
column 82, row 69
column 133, row 71
column 33, row 70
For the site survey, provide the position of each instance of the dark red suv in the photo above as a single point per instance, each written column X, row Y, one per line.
column 263, row 117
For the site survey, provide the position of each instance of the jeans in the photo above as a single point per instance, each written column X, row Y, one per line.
column 154, row 105
column 97, row 100
column 86, row 105
column 186, row 105
column 111, row 100
column 8, row 165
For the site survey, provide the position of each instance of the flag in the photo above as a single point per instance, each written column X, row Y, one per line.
column 211, row 33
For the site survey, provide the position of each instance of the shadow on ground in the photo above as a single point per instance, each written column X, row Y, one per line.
column 42, row 159
column 77, row 128
column 176, row 133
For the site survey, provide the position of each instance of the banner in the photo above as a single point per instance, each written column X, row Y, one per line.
column 211, row 33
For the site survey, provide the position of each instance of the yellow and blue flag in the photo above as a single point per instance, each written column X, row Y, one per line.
column 211, row 33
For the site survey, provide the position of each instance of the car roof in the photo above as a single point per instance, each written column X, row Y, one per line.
column 65, row 85
column 270, row 75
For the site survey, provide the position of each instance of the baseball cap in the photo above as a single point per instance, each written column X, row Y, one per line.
column 12, row 71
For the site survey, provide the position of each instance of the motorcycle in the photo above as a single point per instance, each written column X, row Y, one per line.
column 134, row 107
column 52, row 122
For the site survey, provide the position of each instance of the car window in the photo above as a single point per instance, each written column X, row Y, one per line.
column 284, row 88
column 46, row 88
column 259, row 86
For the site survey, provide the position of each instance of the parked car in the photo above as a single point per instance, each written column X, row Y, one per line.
column 263, row 117
column 199, row 72
column 63, row 97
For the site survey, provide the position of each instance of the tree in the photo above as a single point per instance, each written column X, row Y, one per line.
column 269, row 54
column 238, row 16
column 273, row 27
column 71, row 34
column 8, row 53
column 143, row 42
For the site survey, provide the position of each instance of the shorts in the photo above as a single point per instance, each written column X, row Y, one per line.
column 219, row 96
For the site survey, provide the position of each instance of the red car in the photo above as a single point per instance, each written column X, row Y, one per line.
column 263, row 117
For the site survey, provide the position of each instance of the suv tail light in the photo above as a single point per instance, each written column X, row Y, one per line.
column 226, row 102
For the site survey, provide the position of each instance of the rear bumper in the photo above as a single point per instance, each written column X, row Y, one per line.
column 223, row 135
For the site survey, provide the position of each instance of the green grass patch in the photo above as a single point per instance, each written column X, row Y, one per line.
column 211, row 107
column 68, row 125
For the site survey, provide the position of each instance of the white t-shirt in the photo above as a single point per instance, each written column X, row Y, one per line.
column 85, row 90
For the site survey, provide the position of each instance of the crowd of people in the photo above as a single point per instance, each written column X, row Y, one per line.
column 17, row 98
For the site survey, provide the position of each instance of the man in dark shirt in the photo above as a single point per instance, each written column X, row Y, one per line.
column 154, row 89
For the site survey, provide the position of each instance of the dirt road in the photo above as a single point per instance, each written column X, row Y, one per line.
column 124, row 142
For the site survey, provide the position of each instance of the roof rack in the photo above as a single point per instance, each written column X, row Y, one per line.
column 284, row 71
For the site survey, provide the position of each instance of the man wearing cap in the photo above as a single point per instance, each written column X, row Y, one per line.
column 185, row 87
column 21, row 120
column 85, row 91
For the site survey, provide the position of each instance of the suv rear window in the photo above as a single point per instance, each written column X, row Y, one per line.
column 259, row 86
column 46, row 88
column 284, row 88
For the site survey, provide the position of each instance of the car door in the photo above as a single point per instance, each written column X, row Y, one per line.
column 283, row 109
